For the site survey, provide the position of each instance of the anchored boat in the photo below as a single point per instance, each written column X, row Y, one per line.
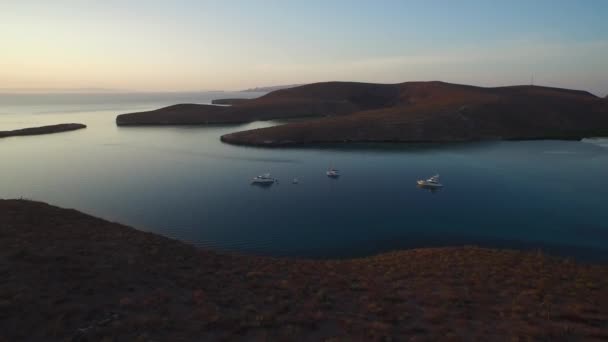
column 333, row 173
column 263, row 179
column 432, row 182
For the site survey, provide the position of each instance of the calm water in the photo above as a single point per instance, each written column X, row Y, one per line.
column 184, row 183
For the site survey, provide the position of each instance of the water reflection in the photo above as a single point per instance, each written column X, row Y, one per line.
column 131, row 174
column 431, row 189
column 263, row 185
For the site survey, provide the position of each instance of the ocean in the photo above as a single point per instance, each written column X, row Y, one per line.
column 183, row 182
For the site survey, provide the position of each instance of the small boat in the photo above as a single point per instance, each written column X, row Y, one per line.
column 333, row 173
column 432, row 182
column 263, row 179
column 294, row 181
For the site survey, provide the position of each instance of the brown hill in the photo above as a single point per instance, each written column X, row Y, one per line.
column 321, row 99
column 441, row 112
column 180, row 114
column 67, row 276
column 407, row 112
column 228, row 101
column 42, row 130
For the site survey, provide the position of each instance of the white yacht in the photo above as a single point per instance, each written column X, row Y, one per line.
column 333, row 173
column 263, row 179
column 432, row 182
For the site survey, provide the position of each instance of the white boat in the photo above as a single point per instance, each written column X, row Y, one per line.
column 295, row 181
column 263, row 179
column 333, row 173
column 432, row 182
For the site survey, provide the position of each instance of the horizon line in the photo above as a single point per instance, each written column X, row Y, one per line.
column 102, row 90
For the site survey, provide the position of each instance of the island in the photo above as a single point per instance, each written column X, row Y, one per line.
column 80, row 278
column 42, row 130
column 406, row 112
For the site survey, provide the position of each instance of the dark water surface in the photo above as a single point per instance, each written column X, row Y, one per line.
column 184, row 183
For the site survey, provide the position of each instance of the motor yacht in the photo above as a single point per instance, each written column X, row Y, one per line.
column 263, row 179
column 333, row 173
column 432, row 182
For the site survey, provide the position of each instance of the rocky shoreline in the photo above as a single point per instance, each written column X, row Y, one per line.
column 42, row 130
column 247, row 138
column 76, row 277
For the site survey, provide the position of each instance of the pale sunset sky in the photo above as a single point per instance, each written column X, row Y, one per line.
column 207, row 45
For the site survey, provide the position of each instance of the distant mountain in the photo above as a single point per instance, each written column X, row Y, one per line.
column 404, row 112
column 271, row 88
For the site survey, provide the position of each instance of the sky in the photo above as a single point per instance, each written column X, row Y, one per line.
column 193, row 45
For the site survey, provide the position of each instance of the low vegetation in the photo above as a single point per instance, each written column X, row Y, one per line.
column 66, row 275
column 405, row 112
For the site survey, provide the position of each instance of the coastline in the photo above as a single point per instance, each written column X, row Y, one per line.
column 409, row 112
column 76, row 276
column 227, row 138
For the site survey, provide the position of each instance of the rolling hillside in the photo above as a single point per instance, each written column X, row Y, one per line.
column 405, row 112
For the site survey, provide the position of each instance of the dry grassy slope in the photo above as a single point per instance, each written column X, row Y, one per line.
column 180, row 114
column 321, row 99
column 437, row 111
column 411, row 111
column 66, row 275
column 363, row 95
